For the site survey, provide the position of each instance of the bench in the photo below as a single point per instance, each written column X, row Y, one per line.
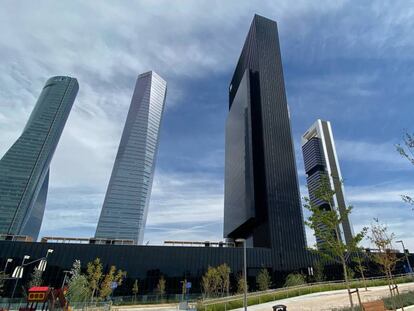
column 377, row 305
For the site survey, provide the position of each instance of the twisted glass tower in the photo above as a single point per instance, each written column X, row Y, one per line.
column 125, row 207
column 24, row 169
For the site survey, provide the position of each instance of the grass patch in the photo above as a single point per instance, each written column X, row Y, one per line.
column 407, row 299
column 267, row 297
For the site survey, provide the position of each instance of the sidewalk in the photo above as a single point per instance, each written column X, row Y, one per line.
column 325, row 301
column 161, row 307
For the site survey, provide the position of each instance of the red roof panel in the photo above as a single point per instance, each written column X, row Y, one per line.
column 39, row 289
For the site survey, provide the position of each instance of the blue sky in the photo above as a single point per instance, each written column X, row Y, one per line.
column 349, row 62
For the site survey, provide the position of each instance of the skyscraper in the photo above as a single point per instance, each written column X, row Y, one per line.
column 321, row 161
column 24, row 169
column 262, row 201
column 125, row 208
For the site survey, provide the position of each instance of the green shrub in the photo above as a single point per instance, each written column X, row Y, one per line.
column 295, row 279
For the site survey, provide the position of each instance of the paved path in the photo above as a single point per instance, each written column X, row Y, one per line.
column 161, row 307
column 329, row 300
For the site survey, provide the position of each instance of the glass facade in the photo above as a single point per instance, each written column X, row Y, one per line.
column 239, row 194
column 125, row 207
column 262, row 201
column 24, row 169
column 321, row 161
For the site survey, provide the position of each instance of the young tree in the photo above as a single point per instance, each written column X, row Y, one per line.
column 105, row 289
column 161, row 286
column 407, row 151
column 241, row 284
column 76, row 269
column 211, row 282
column 135, row 290
column 318, row 271
column 35, row 278
column 294, row 279
column 223, row 284
column 325, row 223
column 183, row 289
column 358, row 259
column 263, row 280
column 78, row 287
column 119, row 277
column 94, row 276
column 383, row 240
column 384, row 255
column 109, row 278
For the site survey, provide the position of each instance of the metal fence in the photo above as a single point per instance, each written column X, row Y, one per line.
column 153, row 299
column 117, row 301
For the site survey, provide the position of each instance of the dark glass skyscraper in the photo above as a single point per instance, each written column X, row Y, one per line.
column 125, row 208
column 262, row 201
column 24, row 169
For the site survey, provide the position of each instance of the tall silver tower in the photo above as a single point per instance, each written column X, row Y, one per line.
column 125, row 208
column 319, row 154
column 24, row 169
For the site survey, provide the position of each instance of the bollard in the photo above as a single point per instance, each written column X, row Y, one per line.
column 279, row 308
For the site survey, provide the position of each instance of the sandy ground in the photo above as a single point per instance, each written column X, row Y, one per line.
column 329, row 300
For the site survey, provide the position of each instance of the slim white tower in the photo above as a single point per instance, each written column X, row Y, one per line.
column 125, row 208
column 319, row 155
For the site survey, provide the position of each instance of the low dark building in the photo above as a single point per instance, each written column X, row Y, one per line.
column 146, row 263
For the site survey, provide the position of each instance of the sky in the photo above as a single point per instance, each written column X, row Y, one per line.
column 349, row 62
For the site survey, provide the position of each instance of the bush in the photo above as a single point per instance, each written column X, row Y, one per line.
column 295, row 279
column 263, row 280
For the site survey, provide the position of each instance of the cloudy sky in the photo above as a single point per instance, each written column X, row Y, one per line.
column 350, row 62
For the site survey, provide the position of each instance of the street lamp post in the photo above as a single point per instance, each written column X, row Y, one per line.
column 43, row 261
column 244, row 271
column 66, row 272
column 18, row 271
column 9, row 260
column 18, row 275
column 410, row 270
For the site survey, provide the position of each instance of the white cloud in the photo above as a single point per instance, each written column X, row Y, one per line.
column 370, row 152
column 72, row 212
column 184, row 205
column 382, row 193
column 107, row 44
